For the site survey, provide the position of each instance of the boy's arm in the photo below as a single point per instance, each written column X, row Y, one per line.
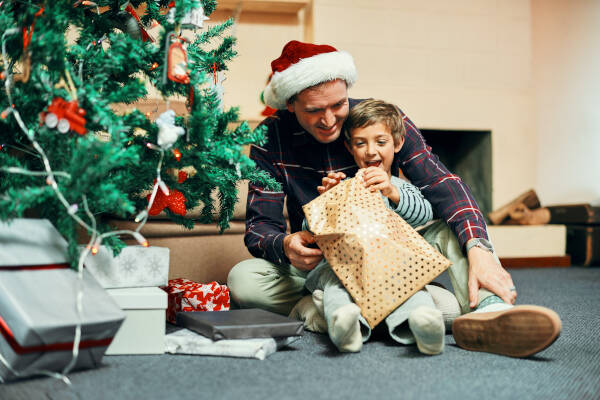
column 412, row 206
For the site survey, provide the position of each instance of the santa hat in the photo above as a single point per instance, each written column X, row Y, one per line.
column 302, row 65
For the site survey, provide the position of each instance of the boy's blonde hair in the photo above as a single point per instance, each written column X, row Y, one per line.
column 370, row 112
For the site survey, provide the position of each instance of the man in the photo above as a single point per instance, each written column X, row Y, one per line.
column 309, row 87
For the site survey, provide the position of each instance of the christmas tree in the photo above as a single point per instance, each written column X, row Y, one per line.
column 67, row 149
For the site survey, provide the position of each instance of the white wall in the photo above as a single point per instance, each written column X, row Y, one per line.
column 566, row 66
column 449, row 65
column 509, row 66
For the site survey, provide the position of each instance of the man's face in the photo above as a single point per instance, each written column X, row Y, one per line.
column 322, row 109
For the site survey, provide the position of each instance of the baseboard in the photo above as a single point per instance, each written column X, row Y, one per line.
column 536, row 262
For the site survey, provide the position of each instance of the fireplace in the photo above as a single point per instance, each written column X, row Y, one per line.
column 467, row 154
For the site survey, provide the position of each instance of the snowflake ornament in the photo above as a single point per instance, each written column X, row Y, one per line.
column 192, row 20
column 168, row 132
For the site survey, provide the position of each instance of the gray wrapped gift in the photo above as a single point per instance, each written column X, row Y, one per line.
column 38, row 315
column 135, row 266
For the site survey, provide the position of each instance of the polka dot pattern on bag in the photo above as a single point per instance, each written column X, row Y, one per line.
column 380, row 259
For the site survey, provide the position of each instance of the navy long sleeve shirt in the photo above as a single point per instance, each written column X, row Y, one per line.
column 299, row 162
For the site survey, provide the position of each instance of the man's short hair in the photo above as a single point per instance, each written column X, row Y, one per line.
column 370, row 112
column 295, row 96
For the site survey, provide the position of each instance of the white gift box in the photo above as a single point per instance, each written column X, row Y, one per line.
column 143, row 331
column 135, row 266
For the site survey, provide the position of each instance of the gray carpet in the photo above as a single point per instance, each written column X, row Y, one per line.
column 312, row 369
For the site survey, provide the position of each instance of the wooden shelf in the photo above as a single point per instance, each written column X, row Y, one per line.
column 264, row 6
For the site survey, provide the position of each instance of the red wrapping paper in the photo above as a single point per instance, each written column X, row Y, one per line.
column 186, row 295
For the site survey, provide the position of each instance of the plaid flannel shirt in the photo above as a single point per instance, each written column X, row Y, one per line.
column 298, row 162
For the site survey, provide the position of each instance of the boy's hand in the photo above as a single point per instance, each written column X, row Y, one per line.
column 377, row 179
column 329, row 181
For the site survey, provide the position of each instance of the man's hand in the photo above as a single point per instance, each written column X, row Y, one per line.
column 485, row 272
column 300, row 255
column 377, row 179
column 329, row 181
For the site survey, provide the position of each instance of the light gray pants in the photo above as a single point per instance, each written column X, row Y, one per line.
column 262, row 284
column 336, row 296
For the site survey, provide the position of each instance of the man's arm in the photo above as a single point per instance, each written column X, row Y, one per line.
column 452, row 200
column 450, row 197
column 265, row 224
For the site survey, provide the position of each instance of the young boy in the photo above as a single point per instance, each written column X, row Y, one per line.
column 374, row 132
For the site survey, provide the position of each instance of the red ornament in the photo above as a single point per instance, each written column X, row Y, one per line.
column 175, row 201
column 145, row 36
column 65, row 116
column 182, row 176
column 177, row 69
column 215, row 68
column 190, row 102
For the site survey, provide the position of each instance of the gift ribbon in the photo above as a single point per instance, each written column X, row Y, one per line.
column 17, row 348
column 34, row 267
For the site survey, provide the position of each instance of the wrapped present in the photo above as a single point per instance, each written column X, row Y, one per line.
column 185, row 341
column 143, row 331
column 135, row 266
column 38, row 306
column 240, row 324
column 379, row 258
column 186, row 295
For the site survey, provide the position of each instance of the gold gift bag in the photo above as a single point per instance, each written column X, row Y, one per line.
column 380, row 259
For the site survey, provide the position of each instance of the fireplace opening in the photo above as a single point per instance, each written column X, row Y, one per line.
column 467, row 154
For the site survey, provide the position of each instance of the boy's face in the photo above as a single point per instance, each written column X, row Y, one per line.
column 322, row 109
column 373, row 146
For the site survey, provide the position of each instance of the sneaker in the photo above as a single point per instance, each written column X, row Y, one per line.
column 520, row 331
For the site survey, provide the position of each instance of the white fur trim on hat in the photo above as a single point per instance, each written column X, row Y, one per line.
column 309, row 72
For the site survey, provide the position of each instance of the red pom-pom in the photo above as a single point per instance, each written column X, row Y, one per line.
column 159, row 204
column 176, row 202
column 182, row 176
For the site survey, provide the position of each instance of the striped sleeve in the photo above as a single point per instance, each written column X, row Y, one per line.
column 413, row 207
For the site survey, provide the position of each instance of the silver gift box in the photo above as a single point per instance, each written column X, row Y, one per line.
column 135, row 266
column 38, row 315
